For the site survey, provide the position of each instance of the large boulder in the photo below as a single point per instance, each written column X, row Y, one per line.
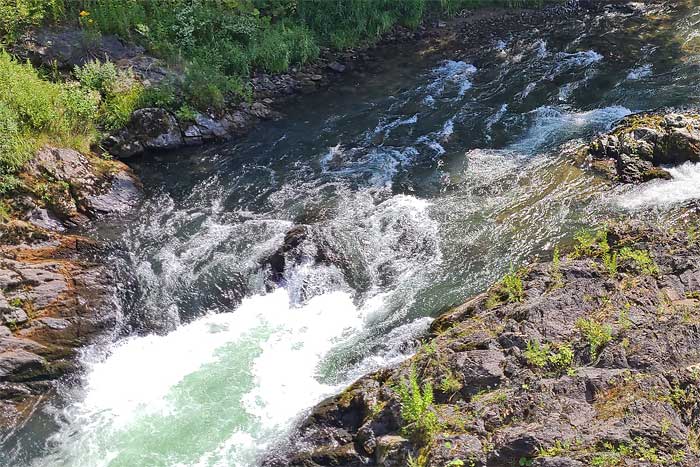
column 75, row 187
column 151, row 128
column 640, row 146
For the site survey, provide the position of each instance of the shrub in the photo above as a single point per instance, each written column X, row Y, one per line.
column 96, row 75
column 33, row 110
column 120, row 93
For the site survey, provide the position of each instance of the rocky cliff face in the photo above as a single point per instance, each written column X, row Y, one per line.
column 592, row 359
column 55, row 294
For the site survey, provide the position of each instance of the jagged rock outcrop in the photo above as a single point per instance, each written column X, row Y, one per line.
column 55, row 294
column 69, row 188
column 593, row 359
column 640, row 145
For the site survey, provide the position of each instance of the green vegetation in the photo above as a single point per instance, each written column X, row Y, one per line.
column 641, row 259
column 120, row 93
column 598, row 335
column 508, row 290
column 590, row 243
column 416, row 408
column 33, row 111
column 557, row 358
column 450, row 384
column 555, row 272
column 18, row 15
column 638, row 450
column 557, row 449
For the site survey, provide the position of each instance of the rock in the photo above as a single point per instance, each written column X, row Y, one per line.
column 45, row 219
column 210, row 128
column 52, row 301
column 66, row 48
column 392, row 451
column 80, row 187
column 337, row 67
column 149, row 129
column 640, row 144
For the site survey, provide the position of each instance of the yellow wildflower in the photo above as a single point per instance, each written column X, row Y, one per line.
column 84, row 13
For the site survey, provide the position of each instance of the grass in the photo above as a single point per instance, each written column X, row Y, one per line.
column 33, row 111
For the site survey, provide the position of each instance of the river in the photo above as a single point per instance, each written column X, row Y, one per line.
column 419, row 183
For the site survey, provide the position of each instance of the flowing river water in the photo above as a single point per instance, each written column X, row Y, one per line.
column 420, row 184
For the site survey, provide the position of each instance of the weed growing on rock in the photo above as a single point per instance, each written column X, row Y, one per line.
column 555, row 273
column 558, row 359
column 416, row 408
column 508, row 290
column 597, row 335
column 450, row 384
column 589, row 243
column 641, row 259
column 557, row 449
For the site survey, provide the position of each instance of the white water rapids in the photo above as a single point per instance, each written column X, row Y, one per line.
column 214, row 392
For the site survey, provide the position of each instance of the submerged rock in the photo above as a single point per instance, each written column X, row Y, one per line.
column 639, row 146
column 584, row 364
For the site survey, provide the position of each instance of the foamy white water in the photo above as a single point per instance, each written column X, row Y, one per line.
column 684, row 186
column 216, row 391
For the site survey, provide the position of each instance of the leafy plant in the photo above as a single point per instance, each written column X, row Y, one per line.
column 642, row 259
column 508, row 290
column 597, row 335
column 557, row 358
column 420, row 421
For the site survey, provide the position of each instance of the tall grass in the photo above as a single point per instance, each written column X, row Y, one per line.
column 33, row 110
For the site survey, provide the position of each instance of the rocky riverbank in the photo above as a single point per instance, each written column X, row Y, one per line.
column 56, row 294
column 590, row 359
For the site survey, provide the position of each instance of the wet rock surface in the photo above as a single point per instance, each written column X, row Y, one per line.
column 641, row 145
column 586, row 364
column 54, row 298
column 70, row 188
column 55, row 293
